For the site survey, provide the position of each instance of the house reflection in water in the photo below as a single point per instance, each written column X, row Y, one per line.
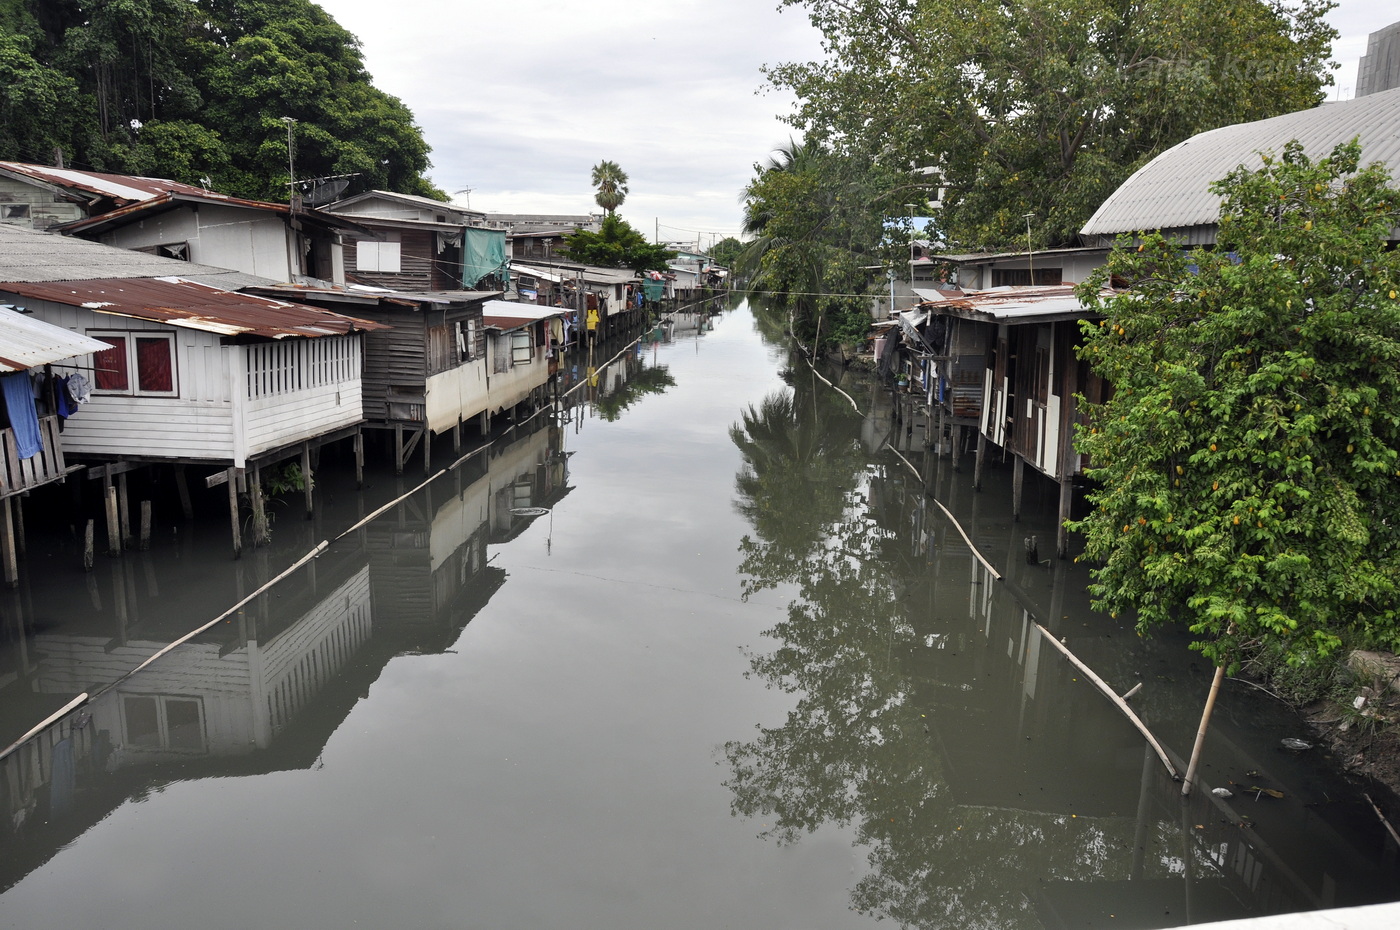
column 264, row 691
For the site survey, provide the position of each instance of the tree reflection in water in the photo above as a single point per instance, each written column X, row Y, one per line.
column 862, row 746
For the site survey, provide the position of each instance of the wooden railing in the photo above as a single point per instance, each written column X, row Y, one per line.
column 18, row 474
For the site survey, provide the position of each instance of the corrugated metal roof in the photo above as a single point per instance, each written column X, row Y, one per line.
column 123, row 187
column 1172, row 190
column 190, row 305
column 29, row 255
column 1015, row 305
column 170, row 200
column 26, row 342
column 523, row 311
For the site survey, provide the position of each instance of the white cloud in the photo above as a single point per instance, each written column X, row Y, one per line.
column 519, row 101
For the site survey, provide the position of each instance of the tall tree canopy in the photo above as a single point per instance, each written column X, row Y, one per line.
column 189, row 89
column 1248, row 459
column 617, row 245
column 611, row 182
column 1045, row 106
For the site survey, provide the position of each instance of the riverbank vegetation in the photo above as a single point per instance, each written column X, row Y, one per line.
column 1246, row 463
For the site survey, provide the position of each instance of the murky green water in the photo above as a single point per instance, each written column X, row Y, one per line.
column 692, row 653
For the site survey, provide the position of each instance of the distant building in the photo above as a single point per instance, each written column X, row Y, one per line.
column 529, row 222
column 1380, row 66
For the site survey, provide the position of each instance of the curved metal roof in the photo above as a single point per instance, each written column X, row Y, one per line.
column 1172, row 191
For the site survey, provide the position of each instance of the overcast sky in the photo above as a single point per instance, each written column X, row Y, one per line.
column 520, row 100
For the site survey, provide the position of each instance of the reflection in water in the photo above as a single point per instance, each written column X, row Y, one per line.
column 265, row 690
column 989, row 785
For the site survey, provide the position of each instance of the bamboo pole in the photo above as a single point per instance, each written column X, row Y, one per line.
column 1118, row 702
column 1201, row 731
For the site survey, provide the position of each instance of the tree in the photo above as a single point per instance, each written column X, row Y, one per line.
column 188, row 89
column 1044, row 106
column 617, row 245
column 1246, row 463
column 611, row 182
column 816, row 221
column 726, row 252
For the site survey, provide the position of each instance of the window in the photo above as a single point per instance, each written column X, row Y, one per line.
column 468, row 339
column 1021, row 277
column 377, row 256
column 522, row 349
column 158, row 722
column 136, row 363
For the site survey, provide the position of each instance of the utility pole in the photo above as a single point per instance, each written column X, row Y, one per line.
column 291, row 161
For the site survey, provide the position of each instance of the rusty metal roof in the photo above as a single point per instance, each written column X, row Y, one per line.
column 26, row 341
column 191, row 305
column 124, row 188
column 1043, row 304
column 169, row 200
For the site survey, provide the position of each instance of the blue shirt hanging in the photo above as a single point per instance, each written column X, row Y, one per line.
column 24, row 419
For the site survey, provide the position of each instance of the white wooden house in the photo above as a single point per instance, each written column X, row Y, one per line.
column 193, row 373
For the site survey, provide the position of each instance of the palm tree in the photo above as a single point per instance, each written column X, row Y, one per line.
column 611, row 182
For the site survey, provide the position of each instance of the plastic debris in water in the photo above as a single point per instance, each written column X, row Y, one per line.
column 1298, row 745
column 1222, row 792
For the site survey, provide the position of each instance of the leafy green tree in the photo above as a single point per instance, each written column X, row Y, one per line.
column 617, row 245
column 1246, row 463
column 726, row 252
column 611, row 182
column 1045, row 106
column 36, row 102
column 189, row 89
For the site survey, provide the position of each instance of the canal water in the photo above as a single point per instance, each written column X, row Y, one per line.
column 691, row 650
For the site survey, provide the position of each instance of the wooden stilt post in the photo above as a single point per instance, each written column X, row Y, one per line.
column 1201, row 731
column 255, row 495
column 123, row 511
column 7, row 545
column 20, row 549
column 1061, row 533
column 427, row 450
column 359, row 444
column 233, row 513
column 88, row 547
column 182, row 487
column 1018, row 480
column 457, row 437
column 145, row 526
column 980, row 465
column 114, row 537
column 306, row 478
column 958, row 447
column 398, row 448
column 485, row 420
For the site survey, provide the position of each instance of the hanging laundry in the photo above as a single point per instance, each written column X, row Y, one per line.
column 24, row 419
column 79, row 388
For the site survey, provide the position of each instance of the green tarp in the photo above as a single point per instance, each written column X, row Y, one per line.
column 483, row 254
